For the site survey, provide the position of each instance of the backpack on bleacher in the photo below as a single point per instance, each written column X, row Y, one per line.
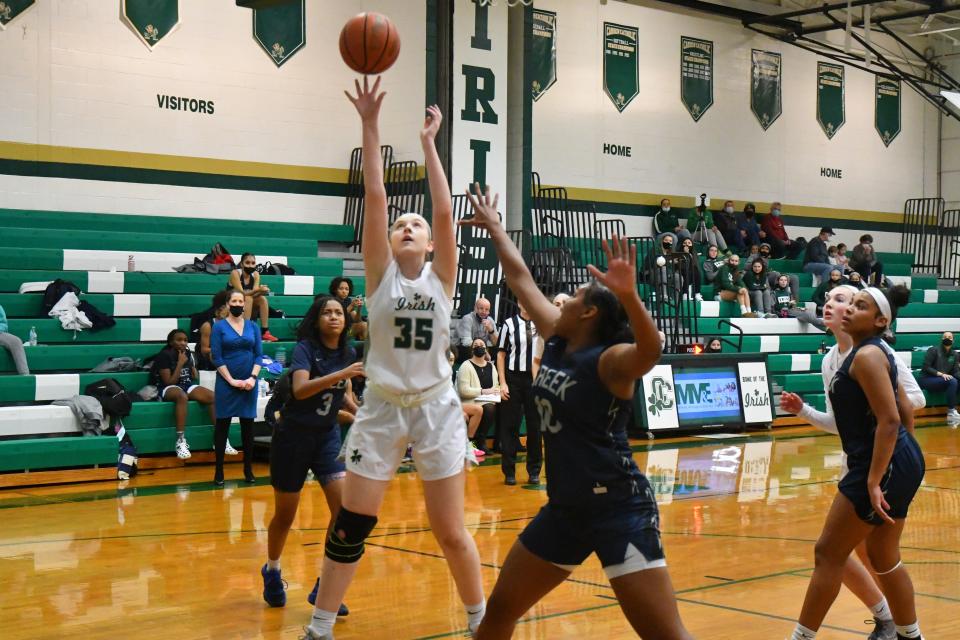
column 275, row 269
column 56, row 290
column 113, row 397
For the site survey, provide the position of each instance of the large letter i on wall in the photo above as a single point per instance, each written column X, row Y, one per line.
column 477, row 96
column 480, row 150
column 480, row 39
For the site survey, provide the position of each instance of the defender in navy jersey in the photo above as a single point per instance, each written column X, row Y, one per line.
column 885, row 470
column 596, row 347
column 306, row 433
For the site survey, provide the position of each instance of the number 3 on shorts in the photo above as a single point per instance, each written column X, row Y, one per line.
column 419, row 335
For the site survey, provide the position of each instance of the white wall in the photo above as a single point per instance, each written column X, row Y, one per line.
column 726, row 154
column 950, row 151
column 75, row 76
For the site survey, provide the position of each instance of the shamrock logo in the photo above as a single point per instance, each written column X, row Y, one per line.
column 356, row 456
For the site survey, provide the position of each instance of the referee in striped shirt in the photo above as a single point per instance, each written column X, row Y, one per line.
column 515, row 368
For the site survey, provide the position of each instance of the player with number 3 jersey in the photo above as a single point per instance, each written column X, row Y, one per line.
column 409, row 398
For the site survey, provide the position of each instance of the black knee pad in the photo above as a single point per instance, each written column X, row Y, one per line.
column 349, row 547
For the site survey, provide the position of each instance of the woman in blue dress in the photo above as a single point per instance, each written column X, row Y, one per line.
column 235, row 349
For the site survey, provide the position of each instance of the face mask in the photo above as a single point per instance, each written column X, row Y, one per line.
column 479, row 352
column 236, row 312
column 249, row 270
column 665, row 209
column 948, row 343
column 748, row 214
column 728, row 209
column 775, row 213
column 668, row 246
column 765, row 254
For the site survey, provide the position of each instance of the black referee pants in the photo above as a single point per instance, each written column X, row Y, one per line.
column 519, row 406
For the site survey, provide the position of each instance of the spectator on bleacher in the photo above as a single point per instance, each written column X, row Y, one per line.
column 478, row 377
column 14, row 345
column 831, row 283
column 941, row 370
column 666, row 275
column 476, row 325
column 514, row 369
column 217, row 311
column 816, row 260
column 690, row 271
column 759, row 288
column 713, row 345
column 711, row 264
column 843, row 261
column 236, row 349
column 247, row 280
column 701, row 224
column 854, row 280
column 174, row 373
column 783, row 298
column 773, row 276
column 342, row 288
column 776, row 234
column 726, row 221
column 864, row 261
column 731, row 288
column 750, row 232
column 666, row 221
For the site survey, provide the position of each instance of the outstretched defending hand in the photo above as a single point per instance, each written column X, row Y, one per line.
column 621, row 275
column 431, row 124
column 485, row 214
column 368, row 100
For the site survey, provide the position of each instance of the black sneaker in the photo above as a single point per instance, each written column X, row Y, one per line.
column 510, row 481
column 534, row 480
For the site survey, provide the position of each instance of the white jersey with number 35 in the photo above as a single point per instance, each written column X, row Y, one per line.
column 409, row 332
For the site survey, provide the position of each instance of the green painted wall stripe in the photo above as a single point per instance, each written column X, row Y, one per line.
column 174, row 178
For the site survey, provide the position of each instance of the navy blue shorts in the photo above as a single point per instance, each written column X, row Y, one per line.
column 626, row 539
column 294, row 450
column 899, row 483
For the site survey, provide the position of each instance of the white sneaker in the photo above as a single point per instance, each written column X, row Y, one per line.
column 230, row 451
column 953, row 417
column 183, row 449
column 698, row 298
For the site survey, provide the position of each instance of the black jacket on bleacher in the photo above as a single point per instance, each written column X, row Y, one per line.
column 938, row 360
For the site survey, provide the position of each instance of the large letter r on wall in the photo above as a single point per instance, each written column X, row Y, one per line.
column 479, row 97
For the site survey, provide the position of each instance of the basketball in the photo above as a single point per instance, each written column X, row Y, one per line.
column 369, row 43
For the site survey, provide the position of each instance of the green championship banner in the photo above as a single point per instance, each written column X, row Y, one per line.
column 830, row 113
column 10, row 9
column 887, row 109
column 151, row 20
column 765, row 84
column 543, row 52
column 281, row 30
column 621, row 75
column 696, row 75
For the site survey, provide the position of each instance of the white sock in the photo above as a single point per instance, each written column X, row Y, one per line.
column 802, row 633
column 273, row 565
column 909, row 631
column 322, row 621
column 475, row 614
column 881, row 611
column 743, row 308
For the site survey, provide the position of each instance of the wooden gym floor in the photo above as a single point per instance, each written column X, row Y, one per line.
column 170, row 556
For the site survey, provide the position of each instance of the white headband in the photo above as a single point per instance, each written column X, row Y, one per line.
column 882, row 303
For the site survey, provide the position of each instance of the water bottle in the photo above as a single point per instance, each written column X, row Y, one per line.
column 33, row 337
column 281, row 356
column 131, row 263
column 823, row 347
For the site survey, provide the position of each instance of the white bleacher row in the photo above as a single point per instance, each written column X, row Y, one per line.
column 772, row 328
column 133, row 304
column 155, row 261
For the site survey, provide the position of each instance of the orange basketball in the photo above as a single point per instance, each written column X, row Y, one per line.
column 369, row 43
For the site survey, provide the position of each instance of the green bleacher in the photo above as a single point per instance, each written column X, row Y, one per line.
column 146, row 305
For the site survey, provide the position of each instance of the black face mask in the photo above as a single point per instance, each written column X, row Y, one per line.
column 479, row 352
column 948, row 343
column 668, row 246
column 236, row 312
column 765, row 254
column 249, row 270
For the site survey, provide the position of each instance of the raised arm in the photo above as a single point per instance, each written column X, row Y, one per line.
column 622, row 364
column 485, row 216
column 376, row 246
column 444, row 238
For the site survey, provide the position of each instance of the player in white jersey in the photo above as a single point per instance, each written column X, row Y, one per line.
column 856, row 577
column 409, row 398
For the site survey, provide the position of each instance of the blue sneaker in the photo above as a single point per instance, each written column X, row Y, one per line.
column 342, row 612
column 273, row 591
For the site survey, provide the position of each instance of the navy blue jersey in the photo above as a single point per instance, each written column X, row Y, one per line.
column 588, row 458
column 855, row 420
column 320, row 409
